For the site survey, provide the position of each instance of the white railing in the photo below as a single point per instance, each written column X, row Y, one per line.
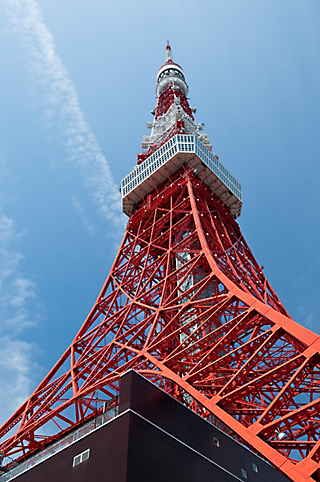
column 221, row 172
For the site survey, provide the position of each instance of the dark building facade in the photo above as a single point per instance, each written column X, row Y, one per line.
column 153, row 438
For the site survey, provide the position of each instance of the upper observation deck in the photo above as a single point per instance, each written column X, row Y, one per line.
column 180, row 150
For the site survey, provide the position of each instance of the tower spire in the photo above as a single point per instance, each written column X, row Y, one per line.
column 169, row 56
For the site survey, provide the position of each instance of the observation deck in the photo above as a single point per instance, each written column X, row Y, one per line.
column 180, row 150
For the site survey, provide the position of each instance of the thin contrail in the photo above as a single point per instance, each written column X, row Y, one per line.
column 47, row 67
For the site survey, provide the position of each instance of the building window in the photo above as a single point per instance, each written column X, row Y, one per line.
column 216, row 442
column 255, row 468
column 76, row 460
column 81, row 457
column 244, row 473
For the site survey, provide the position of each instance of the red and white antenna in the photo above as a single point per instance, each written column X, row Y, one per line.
column 169, row 56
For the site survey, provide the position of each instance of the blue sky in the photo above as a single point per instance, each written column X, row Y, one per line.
column 77, row 87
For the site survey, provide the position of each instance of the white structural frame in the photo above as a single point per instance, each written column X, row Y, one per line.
column 180, row 150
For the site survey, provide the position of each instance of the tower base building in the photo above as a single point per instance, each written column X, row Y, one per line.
column 152, row 437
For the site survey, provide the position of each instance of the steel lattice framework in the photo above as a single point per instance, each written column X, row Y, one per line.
column 187, row 306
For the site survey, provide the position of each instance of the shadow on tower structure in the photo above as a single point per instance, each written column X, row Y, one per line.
column 186, row 306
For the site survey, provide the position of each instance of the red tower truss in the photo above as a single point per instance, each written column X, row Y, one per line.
column 186, row 305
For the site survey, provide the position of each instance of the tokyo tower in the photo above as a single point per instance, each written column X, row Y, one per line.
column 187, row 306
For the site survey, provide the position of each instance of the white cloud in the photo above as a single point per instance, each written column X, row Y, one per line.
column 17, row 368
column 6, row 229
column 15, row 290
column 63, row 104
column 17, row 373
column 85, row 220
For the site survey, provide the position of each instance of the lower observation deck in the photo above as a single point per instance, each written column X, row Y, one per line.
column 177, row 151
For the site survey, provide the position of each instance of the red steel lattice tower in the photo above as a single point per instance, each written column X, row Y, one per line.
column 187, row 306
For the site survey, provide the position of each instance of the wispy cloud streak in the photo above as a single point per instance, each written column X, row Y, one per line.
column 47, row 67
